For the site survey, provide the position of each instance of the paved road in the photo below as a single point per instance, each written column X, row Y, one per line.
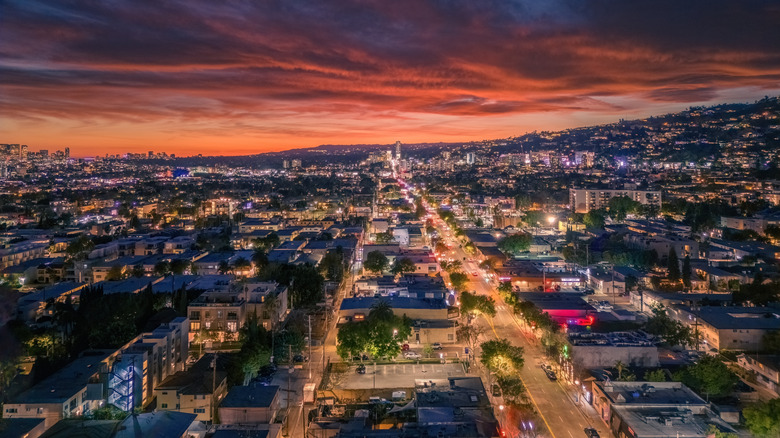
column 555, row 401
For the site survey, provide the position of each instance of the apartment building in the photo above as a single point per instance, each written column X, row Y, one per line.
column 729, row 328
column 585, row 200
column 146, row 361
column 75, row 390
column 220, row 312
column 194, row 391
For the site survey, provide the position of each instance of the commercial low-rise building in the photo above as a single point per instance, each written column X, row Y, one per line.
column 653, row 410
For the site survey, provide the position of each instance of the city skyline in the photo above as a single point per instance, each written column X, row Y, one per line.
column 244, row 80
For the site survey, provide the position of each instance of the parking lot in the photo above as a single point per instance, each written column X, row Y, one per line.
column 399, row 376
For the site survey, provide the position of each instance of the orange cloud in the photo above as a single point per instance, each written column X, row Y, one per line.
column 200, row 77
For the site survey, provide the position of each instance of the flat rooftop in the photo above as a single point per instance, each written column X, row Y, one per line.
column 254, row 396
column 65, row 383
column 394, row 302
column 657, row 394
column 756, row 318
column 666, row 422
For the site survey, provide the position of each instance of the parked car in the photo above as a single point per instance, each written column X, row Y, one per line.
column 267, row 370
column 496, row 390
column 361, row 369
column 300, row 358
column 363, row 357
column 551, row 375
column 265, row 380
column 591, row 432
column 412, row 355
column 437, row 346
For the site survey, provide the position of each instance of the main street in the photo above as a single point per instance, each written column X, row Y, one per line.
column 554, row 401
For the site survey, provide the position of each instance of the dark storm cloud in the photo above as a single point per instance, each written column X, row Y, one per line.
column 461, row 58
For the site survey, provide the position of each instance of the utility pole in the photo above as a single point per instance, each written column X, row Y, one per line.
column 614, row 298
column 289, row 373
column 310, row 358
column 214, row 389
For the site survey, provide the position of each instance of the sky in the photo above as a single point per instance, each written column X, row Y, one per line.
column 234, row 77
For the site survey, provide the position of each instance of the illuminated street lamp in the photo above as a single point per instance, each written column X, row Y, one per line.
column 551, row 220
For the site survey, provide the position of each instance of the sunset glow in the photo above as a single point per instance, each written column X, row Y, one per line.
column 194, row 77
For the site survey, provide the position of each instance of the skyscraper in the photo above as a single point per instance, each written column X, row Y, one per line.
column 398, row 150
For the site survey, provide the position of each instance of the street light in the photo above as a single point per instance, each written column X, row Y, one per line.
column 551, row 220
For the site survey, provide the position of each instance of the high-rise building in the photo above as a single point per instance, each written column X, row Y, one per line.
column 398, row 150
column 285, row 164
column 555, row 160
column 67, row 152
column 23, row 152
column 470, row 158
column 296, row 163
column 150, row 154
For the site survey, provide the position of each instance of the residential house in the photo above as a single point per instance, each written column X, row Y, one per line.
column 253, row 404
column 195, row 391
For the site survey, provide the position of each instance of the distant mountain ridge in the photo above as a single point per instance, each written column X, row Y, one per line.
column 706, row 127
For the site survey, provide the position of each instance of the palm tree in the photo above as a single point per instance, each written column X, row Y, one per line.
column 620, row 367
column 223, row 267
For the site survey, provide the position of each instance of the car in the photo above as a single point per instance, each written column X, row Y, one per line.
column 437, row 346
column 405, row 347
column 267, row 370
column 544, row 367
column 265, row 381
column 474, row 273
column 412, row 355
column 361, row 369
column 591, row 432
column 363, row 357
column 496, row 390
column 300, row 358
column 551, row 375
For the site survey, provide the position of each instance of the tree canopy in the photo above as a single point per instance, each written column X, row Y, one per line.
column 459, row 280
column 376, row 262
column 500, row 356
column 403, row 265
column 515, row 244
column 380, row 334
column 473, row 305
column 671, row 331
column 709, row 377
column 763, row 418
